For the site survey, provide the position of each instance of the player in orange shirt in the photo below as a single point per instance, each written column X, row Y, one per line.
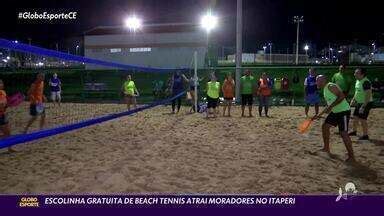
column 228, row 89
column 36, row 99
column 4, row 124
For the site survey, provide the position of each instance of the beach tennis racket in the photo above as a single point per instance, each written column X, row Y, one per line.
column 305, row 125
column 15, row 99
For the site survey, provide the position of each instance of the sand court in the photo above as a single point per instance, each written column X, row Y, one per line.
column 154, row 152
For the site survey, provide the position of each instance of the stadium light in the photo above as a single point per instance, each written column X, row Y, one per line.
column 16, row 41
column 297, row 20
column 209, row 21
column 306, row 48
column 133, row 23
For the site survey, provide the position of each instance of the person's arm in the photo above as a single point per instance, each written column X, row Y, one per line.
column 305, row 86
column 185, row 78
column 137, row 92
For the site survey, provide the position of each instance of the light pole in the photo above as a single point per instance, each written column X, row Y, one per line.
column 306, row 48
column 77, row 49
column 265, row 56
column 208, row 22
column 239, row 47
column 270, row 53
column 297, row 20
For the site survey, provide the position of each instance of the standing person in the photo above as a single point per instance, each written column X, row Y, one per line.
column 264, row 91
column 55, row 85
column 363, row 100
column 311, row 94
column 130, row 92
column 228, row 89
column 247, row 87
column 4, row 124
column 339, row 113
column 213, row 93
column 36, row 99
column 192, row 83
column 343, row 80
column 177, row 86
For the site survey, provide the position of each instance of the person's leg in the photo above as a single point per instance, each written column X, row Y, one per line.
column 58, row 97
column 173, row 105
column 42, row 121
column 326, row 133
column 250, row 103
column 243, row 103
column 348, row 144
column 29, row 123
column 229, row 107
column 225, row 106
column 128, row 102
column 134, row 102
column 364, row 125
column 178, row 104
column 306, row 109
column 260, row 105
column 266, row 106
column 316, row 108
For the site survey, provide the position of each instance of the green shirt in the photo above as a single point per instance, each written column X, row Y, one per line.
column 360, row 88
column 129, row 88
column 342, row 80
column 247, row 84
column 213, row 89
column 330, row 98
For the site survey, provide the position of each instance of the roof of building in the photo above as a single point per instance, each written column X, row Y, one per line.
column 147, row 28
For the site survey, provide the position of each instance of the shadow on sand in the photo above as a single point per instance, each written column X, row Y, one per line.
column 359, row 170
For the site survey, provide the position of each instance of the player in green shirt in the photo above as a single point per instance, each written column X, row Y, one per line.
column 248, row 89
column 343, row 80
column 363, row 101
column 339, row 113
column 130, row 92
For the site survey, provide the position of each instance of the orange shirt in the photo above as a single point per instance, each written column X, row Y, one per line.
column 3, row 102
column 36, row 94
column 264, row 88
column 228, row 88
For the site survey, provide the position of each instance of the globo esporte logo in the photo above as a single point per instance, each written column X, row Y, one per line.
column 29, row 202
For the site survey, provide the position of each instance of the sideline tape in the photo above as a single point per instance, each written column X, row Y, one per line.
column 22, row 138
column 7, row 44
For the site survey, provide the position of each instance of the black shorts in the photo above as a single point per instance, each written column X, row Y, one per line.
column 365, row 113
column 33, row 110
column 192, row 88
column 246, row 99
column 228, row 98
column 212, row 102
column 3, row 120
column 340, row 119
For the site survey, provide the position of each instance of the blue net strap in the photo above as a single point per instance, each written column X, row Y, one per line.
column 7, row 44
column 17, row 139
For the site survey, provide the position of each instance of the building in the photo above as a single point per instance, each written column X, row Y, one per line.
column 169, row 45
column 262, row 58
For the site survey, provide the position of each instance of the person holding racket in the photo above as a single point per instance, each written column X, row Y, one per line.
column 130, row 92
column 4, row 124
column 338, row 111
column 36, row 99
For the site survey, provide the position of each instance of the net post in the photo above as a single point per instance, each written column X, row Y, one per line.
column 195, row 81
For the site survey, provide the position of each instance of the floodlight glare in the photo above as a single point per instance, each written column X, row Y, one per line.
column 306, row 47
column 133, row 23
column 209, row 22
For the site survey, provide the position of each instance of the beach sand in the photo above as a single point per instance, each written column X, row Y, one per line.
column 155, row 152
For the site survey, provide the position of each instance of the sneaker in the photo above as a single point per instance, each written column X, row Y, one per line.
column 364, row 138
column 353, row 133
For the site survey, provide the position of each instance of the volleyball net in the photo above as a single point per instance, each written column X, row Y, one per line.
column 88, row 97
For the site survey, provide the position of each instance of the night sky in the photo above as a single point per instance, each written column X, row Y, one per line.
column 326, row 21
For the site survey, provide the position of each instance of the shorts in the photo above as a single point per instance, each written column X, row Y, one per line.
column 192, row 88
column 33, row 110
column 56, row 96
column 263, row 100
column 365, row 113
column 3, row 120
column 246, row 99
column 312, row 99
column 212, row 102
column 340, row 119
column 228, row 98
